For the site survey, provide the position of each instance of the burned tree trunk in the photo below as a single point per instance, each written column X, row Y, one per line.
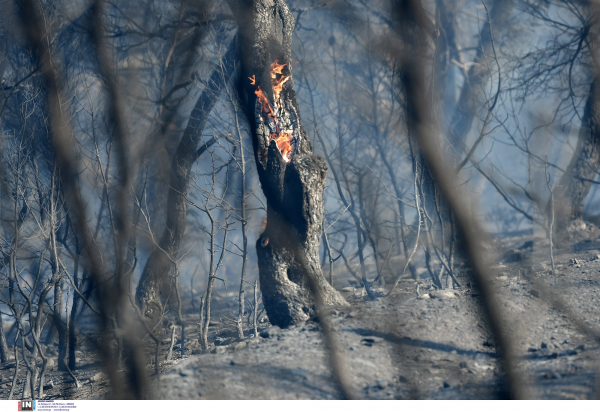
column 575, row 183
column 291, row 176
column 156, row 270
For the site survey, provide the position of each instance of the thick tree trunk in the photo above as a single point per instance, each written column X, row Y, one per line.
column 159, row 263
column 575, row 183
column 469, row 101
column 293, row 178
column 472, row 91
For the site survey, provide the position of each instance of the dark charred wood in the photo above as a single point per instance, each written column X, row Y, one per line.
column 288, row 249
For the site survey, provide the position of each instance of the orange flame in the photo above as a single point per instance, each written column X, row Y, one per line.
column 283, row 138
column 278, row 84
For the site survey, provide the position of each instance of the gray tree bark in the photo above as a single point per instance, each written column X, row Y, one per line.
column 156, row 270
column 575, row 183
column 469, row 101
column 60, row 326
column 292, row 177
column 3, row 345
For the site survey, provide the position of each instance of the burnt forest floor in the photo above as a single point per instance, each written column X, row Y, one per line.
column 417, row 344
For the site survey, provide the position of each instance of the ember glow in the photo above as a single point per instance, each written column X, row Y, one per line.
column 278, row 121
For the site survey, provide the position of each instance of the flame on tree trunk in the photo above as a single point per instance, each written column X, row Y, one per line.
column 291, row 176
column 279, row 122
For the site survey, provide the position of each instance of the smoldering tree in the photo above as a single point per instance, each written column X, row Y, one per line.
column 156, row 115
column 292, row 178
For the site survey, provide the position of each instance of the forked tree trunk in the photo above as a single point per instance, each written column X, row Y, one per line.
column 288, row 249
column 575, row 183
column 477, row 77
column 156, row 270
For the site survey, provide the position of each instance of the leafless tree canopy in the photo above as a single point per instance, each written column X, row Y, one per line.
column 174, row 170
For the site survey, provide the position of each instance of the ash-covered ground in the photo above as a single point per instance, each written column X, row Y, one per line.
column 419, row 343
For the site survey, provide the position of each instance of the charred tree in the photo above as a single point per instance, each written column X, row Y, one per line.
column 156, row 270
column 575, row 183
column 292, row 177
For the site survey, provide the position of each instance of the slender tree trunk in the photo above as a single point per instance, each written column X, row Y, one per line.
column 60, row 326
column 292, row 177
column 3, row 344
column 401, row 223
column 56, row 275
column 72, row 322
column 209, row 288
column 212, row 276
column 159, row 263
column 244, row 239
column 574, row 185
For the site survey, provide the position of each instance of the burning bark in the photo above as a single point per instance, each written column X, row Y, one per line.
column 291, row 176
column 282, row 120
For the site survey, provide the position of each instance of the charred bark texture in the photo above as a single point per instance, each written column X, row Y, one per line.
column 288, row 249
column 575, row 183
column 148, row 293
